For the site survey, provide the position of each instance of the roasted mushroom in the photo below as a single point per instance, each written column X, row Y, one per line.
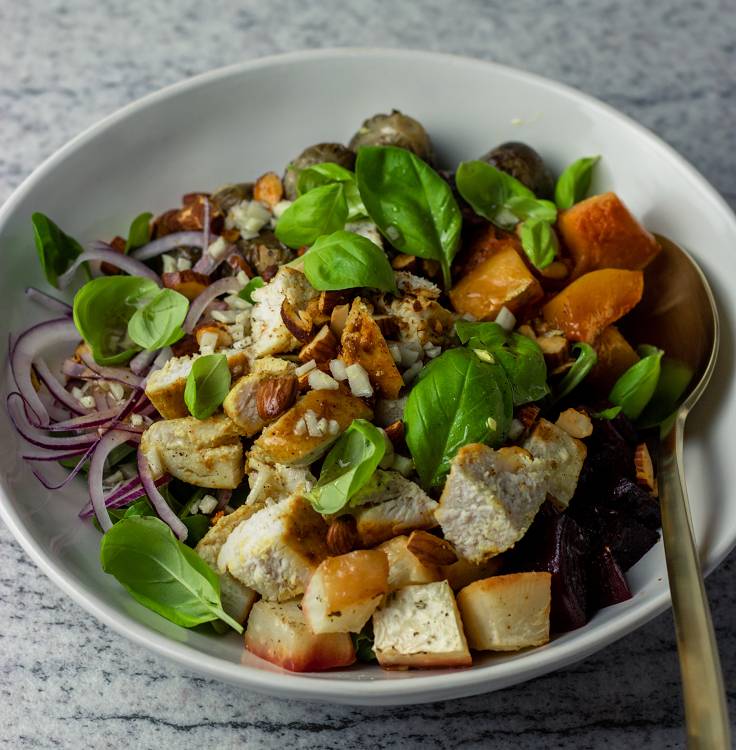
column 230, row 195
column 265, row 251
column 525, row 164
column 395, row 129
column 335, row 153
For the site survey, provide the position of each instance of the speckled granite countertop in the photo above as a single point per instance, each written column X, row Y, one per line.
column 66, row 680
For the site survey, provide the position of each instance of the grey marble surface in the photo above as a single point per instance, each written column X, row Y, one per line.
column 66, row 680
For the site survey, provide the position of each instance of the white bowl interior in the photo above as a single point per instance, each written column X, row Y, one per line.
column 232, row 125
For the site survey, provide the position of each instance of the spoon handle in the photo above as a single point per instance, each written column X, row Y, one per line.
column 706, row 714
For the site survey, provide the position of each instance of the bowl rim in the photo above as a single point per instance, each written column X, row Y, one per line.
column 420, row 687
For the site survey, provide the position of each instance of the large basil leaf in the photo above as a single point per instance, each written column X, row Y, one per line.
column 162, row 573
column 457, row 400
column 410, row 203
column 635, row 388
column 345, row 260
column 320, row 211
column 158, row 322
column 207, row 385
column 328, row 173
column 574, row 182
column 584, row 363
column 520, row 357
column 56, row 250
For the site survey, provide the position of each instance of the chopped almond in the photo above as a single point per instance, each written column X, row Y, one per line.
column 322, row 348
column 644, row 467
column 575, row 423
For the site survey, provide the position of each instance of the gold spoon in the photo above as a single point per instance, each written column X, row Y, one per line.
column 678, row 314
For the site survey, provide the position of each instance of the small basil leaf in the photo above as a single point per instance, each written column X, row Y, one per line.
column 348, row 466
column 413, row 207
column 610, row 413
column 539, row 242
column 158, row 322
column 139, row 508
column 328, row 173
column 207, row 385
column 574, row 182
column 674, row 378
column 320, row 211
column 458, row 400
column 345, row 260
column 584, row 363
column 635, row 388
column 56, row 250
column 139, row 233
column 246, row 292
column 102, row 309
column 532, row 208
column 162, row 573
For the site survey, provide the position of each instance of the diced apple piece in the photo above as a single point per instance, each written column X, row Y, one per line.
column 507, row 613
column 278, row 633
column 344, row 591
column 463, row 572
column 615, row 356
column 404, row 568
column 420, row 626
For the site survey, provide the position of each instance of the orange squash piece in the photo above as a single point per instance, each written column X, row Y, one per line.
column 600, row 232
column 615, row 356
column 593, row 302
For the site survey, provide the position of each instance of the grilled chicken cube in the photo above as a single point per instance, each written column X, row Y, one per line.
column 421, row 319
column 344, row 591
column 564, row 455
column 404, row 568
column 279, row 634
column 270, row 483
column 288, row 440
column 490, row 499
column 420, row 626
column 203, row 452
column 269, row 334
column 165, row 387
column 507, row 613
column 276, row 550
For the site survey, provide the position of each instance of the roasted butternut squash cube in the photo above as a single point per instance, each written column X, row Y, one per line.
column 615, row 356
column 593, row 302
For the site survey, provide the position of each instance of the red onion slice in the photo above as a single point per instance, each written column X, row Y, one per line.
column 57, row 390
column 223, row 498
column 169, row 242
column 165, row 513
column 124, row 495
column 46, row 455
column 206, row 225
column 100, row 253
column 228, row 285
column 85, row 422
column 142, row 360
column 47, row 301
column 119, row 374
column 49, row 485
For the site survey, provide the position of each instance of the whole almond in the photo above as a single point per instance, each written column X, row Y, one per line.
column 430, row 549
column 342, row 535
column 275, row 396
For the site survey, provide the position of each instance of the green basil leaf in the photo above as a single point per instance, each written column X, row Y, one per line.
column 345, row 260
column 246, row 292
column 520, row 357
column 532, row 208
column 348, row 466
column 56, row 250
column 458, row 400
column 158, row 322
column 674, row 378
column 197, row 526
column 584, row 363
column 610, row 413
column 328, row 173
column 635, row 388
column 141, row 507
column 102, row 309
column 574, row 182
column 162, row 573
column 139, row 233
column 539, row 242
column 207, row 385
column 413, row 207
column 320, row 211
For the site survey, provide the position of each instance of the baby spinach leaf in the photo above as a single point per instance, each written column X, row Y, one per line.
column 162, row 573
column 674, row 378
column 322, row 210
column 457, row 400
column 247, row 291
column 574, row 182
column 410, row 203
column 345, row 260
column 328, row 173
column 158, row 322
column 539, row 242
column 520, row 357
column 348, row 466
column 584, row 363
column 207, row 385
column 635, row 388
column 56, row 250
column 139, row 233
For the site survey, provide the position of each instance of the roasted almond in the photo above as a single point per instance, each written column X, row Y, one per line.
column 185, row 346
column 275, row 395
column 338, row 319
column 556, row 349
column 268, row 189
column 528, row 415
column 328, row 301
column 395, row 433
column 189, row 283
column 389, row 326
column 644, row 467
column 300, row 324
column 430, row 549
column 342, row 535
column 322, row 348
column 118, row 245
column 575, row 423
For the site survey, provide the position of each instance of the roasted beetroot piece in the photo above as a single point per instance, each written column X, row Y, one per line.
column 633, row 501
column 628, row 539
column 606, row 581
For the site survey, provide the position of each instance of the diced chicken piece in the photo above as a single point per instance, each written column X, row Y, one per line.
column 390, row 505
column 279, row 634
column 268, row 332
column 203, row 452
column 417, row 286
column 344, row 591
column 237, row 599
column 463, row 572
column 270, row 483
column 165, row 387
column 420, row 626
column 388, row 411
column 404, row 568
column 421, row 319
column 490, row 499
column 241, row 403
column 282, row 442
column 507, row 613
column 364, row 344
column 277, row 549
column 563, row 454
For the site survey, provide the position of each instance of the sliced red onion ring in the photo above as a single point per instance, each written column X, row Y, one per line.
column 119, row 499
column 106, row 254
column 208, row 263
column 73, row 369
column 228, row 285
column 169, row 242
column 142, row 360
column 165, row 513
column 49, row 485
column 57, row 390
column 46, row 455
column 85, row 422
column 37, row 436
column 119, row 374
column 223, row 498
column 206, row 225
column 47, row 301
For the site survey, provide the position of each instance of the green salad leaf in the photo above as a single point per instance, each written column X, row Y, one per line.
column 674, row 378
column 413, row 207
column 611, row 413
column 207, row 385
column 574, row 183
column 345, row 260
column 458, row 399
column 348, row 466
column 56, row 250
column 322, row 210
column 161, row 573
column 139, row 233
column 158, row 323
column 525, row 208
column 539, row 242
column 635, row 388
column 328, row 173
column 584, row 363
column 246, row 292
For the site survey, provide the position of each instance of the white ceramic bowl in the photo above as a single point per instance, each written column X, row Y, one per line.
column 232, row 125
